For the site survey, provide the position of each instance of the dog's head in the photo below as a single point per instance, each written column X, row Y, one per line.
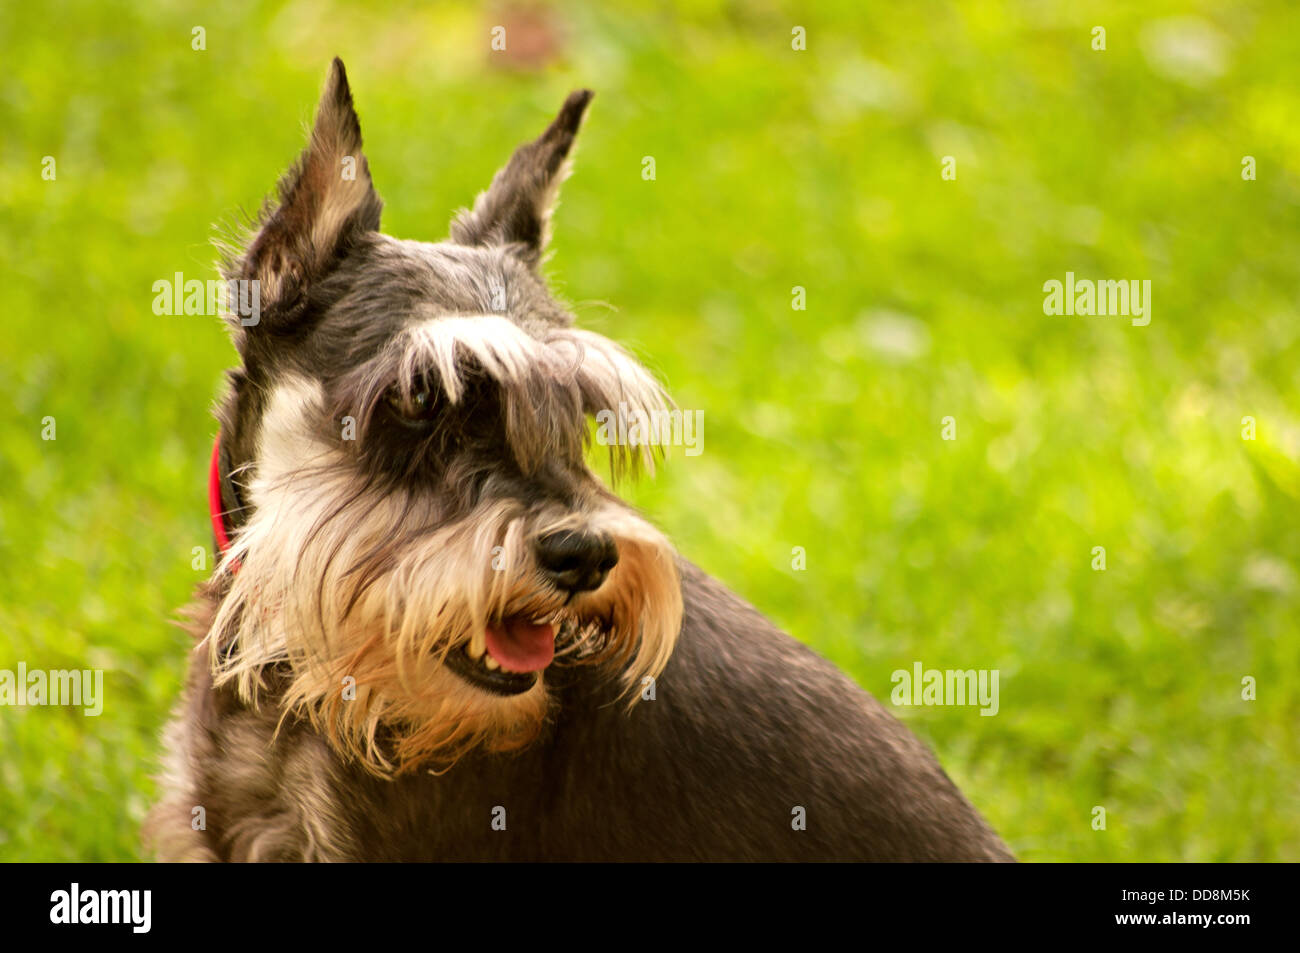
column 418, row 535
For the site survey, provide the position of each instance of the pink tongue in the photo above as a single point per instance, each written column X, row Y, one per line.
column 521, row 646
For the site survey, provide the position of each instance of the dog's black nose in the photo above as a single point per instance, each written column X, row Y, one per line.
column 576, row 561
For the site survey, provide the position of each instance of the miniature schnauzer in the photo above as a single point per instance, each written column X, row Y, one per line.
column 434, row 633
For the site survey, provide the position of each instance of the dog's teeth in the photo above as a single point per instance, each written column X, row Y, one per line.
column 469, row 650
column 491, row 663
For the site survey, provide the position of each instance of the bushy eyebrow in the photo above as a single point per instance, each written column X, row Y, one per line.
column 548, row 384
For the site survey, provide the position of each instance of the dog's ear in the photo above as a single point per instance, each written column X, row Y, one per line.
column 516, row 209
column 326, row 202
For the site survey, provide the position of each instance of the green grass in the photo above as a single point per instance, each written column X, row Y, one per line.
column 775, row 168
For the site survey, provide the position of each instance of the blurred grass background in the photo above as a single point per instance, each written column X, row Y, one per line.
column 775, row 169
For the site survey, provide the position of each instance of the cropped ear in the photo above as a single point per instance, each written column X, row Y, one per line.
column 516, row 209
column 326, row 202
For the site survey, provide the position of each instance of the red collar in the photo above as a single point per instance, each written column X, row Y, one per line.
column 216, row 507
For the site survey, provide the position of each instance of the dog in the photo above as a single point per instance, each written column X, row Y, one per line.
column 434, row 634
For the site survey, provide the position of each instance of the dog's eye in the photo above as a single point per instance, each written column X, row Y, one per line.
column 420, row 406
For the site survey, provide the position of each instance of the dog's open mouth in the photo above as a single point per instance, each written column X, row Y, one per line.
column 516, row 650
